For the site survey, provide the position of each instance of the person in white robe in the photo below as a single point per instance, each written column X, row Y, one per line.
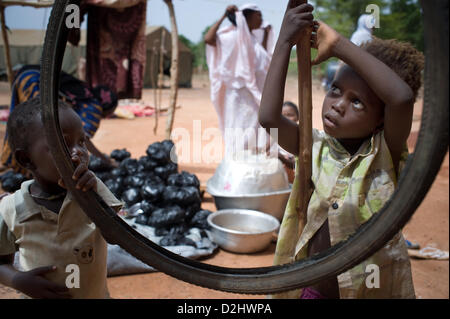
column 238, row 58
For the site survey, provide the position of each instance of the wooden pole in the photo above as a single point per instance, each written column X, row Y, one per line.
column 6, row 47
column 173, row 70
column 305, row 126
column 160, row 79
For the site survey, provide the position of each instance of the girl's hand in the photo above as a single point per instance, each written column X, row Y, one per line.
column 296, row 19
column 324, row 40
column 231, row 9
column 33, row 284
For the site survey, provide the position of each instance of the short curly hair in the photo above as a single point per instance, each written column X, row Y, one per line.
column 20, row 121
column 401, row 57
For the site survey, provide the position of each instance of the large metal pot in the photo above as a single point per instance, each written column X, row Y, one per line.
column 254, row 182
column 272, row 203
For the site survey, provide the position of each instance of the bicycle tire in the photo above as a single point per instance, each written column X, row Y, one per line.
column 418, row 176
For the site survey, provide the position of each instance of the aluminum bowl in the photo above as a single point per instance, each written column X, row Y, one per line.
column 241, row 230
column 273, row 203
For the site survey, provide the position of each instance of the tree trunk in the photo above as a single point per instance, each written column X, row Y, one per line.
column 173, row 70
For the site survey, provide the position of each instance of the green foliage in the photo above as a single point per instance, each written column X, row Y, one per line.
column 399, row 19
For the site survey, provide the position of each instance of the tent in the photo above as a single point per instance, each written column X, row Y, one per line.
column 26, row 48
column 154, row 34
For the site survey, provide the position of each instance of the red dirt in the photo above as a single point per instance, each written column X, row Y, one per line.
column 429, row 225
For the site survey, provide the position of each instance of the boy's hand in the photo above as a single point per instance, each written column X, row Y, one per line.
column 85, row 178
column 325, row 40
column 296, row 19
column 33, row 284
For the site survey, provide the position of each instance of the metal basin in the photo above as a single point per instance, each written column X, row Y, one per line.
column 242, row 231
column 273, row 203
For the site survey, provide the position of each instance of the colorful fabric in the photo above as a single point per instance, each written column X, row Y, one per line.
column 309, row 293
column 25, row 87
column 348, row 191
column 116, row 48
column 88, row 103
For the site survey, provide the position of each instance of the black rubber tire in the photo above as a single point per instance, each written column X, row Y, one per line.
column 418, row 175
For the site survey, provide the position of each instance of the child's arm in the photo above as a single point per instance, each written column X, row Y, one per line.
column 295, row 20
column 210, row 36
column 386, row 84
column 32, row 283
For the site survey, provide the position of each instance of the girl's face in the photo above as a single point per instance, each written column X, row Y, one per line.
column 351, row 110
column 289, row 113
column 43, row 167
column 254, row 20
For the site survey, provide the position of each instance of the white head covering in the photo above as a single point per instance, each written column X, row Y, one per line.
column 364, row 32
column 249, row 6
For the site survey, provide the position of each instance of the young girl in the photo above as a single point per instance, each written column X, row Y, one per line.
column 43, row 222
column 289, row 111
column 367, row 116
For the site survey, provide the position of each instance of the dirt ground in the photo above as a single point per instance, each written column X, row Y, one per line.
column 429, row 225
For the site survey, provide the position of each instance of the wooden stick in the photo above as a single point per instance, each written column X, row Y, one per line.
column 160, row 79
column 6, row 47
column 305, row 126
column 173, row 70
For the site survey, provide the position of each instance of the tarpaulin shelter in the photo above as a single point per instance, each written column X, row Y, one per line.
column 154, row 36
column 25, row 47
column 5, row 3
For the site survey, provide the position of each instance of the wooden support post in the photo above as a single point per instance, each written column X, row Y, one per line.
column 305, row 127
column 173, row 70
column 160, row 80
column 6, row 48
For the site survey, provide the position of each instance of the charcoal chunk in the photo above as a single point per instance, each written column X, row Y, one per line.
column 148, row 208
column 166, row 216
column 165, row 171
column 134, row 181
column 183, row 196
column 141, row 219
column 97, row 165
column 131, row 196
column 200, row 219
column 130, row 165
column 120, row 155
column 152, row 192
column 147, row 163
column 183, row 179
column 13, row 182
column 158, row 153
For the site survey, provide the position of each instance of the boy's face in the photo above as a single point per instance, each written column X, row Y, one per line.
column 289, row 113
column 351, row 110
column 44, row 169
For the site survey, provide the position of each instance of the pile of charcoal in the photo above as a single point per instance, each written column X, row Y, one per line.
column 151, row 186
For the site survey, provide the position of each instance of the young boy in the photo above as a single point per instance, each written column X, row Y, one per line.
column 367, row 116
column 43, row 221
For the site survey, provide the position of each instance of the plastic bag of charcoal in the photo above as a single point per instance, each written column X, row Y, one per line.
column 159, row 202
